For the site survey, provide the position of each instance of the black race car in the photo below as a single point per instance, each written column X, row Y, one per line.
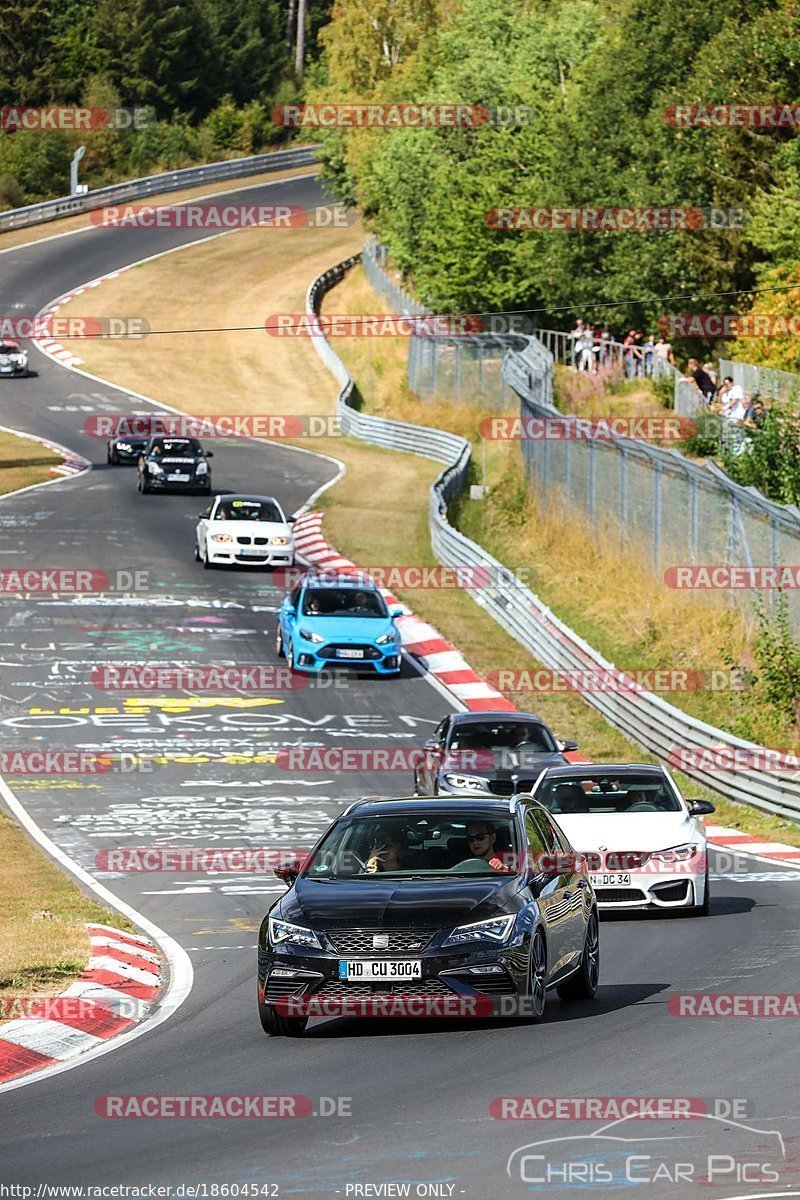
column 125, row 450
column 448, row 907
column 174, row 464
column 488, row 753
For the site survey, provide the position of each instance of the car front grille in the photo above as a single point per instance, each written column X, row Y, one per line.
column 333, row 648
column 406, row 987
column 619, row 895
column 490, row 985
column 359, row 941
column 626, row 860
column 502, row 787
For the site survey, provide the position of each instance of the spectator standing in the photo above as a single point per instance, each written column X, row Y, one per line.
column 577, row 338
column 649, row 349
column 702, row 381
column 587, row 350
column 663, row 355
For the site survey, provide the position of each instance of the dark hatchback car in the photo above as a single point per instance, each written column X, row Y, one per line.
column 121, row 450
column 488, row 754
column 482, row 900
column 174, row 464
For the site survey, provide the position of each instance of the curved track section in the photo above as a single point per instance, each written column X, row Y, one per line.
column 412, row 1099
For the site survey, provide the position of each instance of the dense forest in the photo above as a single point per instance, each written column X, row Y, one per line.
column 210, row 71
column 596, row 78
column 592, row 82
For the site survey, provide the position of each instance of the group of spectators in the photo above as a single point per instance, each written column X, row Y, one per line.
column 594, row 347
column 727, row 399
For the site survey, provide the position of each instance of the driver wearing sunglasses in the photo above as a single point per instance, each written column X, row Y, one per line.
column 481, row 838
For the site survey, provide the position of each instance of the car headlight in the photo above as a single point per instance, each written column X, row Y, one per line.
column 221, row 537
column 123, row 446
column 279, row 541
column 155, row 469
column 298, row 935
column 680, row 853
column 201, row 468
column 18, row 358
column 472, row 783
column 495, row 930
column 310, row 636
column 385, row 638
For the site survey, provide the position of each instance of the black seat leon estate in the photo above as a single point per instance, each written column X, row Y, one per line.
column 429, row 907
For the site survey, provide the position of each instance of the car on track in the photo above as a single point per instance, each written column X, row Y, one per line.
column 341, row 621
column 177, row 464
column 13, row 359
column 487, row 753
column 645, row 844
column 244, row 529
column 407, row 898
column 125, row 450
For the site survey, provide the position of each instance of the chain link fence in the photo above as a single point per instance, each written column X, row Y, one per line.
column 647, row 718
column 764, row 381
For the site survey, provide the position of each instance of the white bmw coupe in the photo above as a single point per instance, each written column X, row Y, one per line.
column 645, row 844
column 244, row 529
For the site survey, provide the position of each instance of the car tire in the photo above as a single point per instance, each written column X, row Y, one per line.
column 196, row 551
column 537, row 978
column 702, row 910
column 583, row 984
column 279, row 643
column 207, row 564
column 276, row 1025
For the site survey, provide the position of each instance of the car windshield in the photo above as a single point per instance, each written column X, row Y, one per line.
column 176, row 448
column 246, row 509
column 422, row 845
column 342, row 602
column 599, row 793
column 502, row 735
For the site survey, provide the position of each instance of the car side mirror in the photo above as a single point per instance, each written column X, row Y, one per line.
column 288, row 871
column 701, row 808
column 395, row 612
column 290, row 610
column 203, row 515
column 291, row 520
column 209, row 453
column 568, row 745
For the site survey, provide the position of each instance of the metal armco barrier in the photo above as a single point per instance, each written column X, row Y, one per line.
column 644, row 717
column 170, row 181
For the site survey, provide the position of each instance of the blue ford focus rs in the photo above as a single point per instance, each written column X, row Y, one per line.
column 338, row 621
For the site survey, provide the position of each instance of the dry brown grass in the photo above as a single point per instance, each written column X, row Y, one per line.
column 36, row 233
column 24, row 462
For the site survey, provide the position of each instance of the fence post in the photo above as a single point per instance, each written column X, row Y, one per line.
column 623, row 493
column 656, row 515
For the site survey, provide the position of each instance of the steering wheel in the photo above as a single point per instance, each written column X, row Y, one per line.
column 643, row 806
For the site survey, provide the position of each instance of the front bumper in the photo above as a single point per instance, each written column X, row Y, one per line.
column 272, row 556
column 469, row 983
column 14, row 370
column 381, row 660
column 646, row 890
column 161, row 483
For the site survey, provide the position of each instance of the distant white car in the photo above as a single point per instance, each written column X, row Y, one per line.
column 645, row 845
column 244, row 529
column 13, row 359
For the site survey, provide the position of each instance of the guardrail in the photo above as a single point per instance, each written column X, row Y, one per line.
column 644, row 717
column 149, row 185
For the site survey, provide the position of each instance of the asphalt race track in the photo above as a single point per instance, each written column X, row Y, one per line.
column 418, row 1092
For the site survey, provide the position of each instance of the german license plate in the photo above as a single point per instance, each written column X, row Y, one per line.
column 351, row 654
column 257, row 552
column 380, row 968
column 178, row 477
column 614, row 879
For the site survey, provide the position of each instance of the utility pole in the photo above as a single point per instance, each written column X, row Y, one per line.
column 301, row 39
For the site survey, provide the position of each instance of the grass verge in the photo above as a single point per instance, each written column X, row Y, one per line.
column 241, row 279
